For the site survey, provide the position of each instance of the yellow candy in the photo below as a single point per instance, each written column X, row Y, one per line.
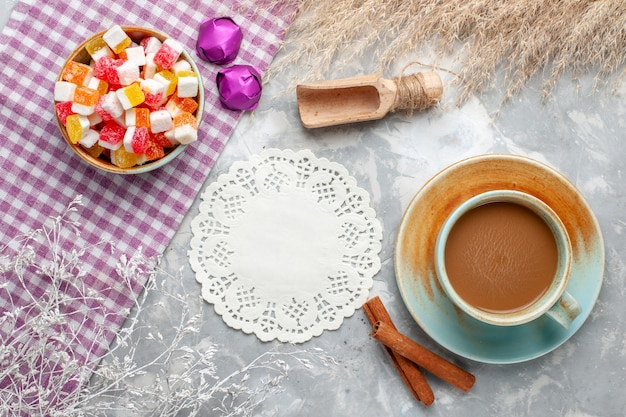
column 98, row 48
column 130, row 96
column 123, row 158
column 169, row 79
column 76, row 126
column 116, row 39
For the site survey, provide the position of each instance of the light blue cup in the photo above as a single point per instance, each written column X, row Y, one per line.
column 555, row 303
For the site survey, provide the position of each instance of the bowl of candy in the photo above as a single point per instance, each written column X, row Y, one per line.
column 129, row 100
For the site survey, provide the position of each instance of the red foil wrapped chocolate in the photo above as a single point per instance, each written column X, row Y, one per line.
column 240, row 87
column 219, row 40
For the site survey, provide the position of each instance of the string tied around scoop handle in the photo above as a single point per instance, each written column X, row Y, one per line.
column 417, row 91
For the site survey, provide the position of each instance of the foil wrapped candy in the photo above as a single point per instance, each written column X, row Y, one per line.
column 240, row 87
column 219, row 40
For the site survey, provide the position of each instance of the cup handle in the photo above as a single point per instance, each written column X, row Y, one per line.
column 565, row 310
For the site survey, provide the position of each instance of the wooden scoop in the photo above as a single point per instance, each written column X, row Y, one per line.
column 367, row 97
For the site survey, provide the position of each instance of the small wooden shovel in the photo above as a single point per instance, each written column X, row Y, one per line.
column 367, row 97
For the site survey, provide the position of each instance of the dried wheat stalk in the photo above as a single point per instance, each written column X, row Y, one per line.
column 522, row 38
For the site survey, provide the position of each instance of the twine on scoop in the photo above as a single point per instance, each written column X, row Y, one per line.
column 416, row 91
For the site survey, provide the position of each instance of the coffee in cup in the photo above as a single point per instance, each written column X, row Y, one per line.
column 504, row 258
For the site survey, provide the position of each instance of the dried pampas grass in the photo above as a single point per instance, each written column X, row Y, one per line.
column 520, row 38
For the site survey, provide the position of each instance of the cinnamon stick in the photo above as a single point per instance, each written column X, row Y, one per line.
column 410, row 373
column 418, row 354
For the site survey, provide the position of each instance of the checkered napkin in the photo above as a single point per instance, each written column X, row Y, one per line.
column 39, row 175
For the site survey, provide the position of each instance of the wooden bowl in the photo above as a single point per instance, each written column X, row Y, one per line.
column 80, row 54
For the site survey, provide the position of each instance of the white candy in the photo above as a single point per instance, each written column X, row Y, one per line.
column 128, row 72
column 64, row 91
column 173, row 108
column 152, row 45
column 94, row 119
column 131, row 117
column 170, row 135
column 150, row 68
column 83, row 109
column 112, row 105
column 188, row 86
column 185, row 134
column 90, row 138
column 160, row 121
column 136, row 55
column 114, row 37
column 95, row 83
column 181, row 65
column 166, row 83
column 128, row 138
column 102, row 52
column 154, row 87
column 175, row 46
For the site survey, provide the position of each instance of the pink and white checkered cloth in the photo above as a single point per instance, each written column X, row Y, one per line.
column 39, row 175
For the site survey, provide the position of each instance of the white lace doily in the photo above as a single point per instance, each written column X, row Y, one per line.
column 285, row 245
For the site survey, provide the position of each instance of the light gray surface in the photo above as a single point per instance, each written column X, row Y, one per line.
column 582, row 136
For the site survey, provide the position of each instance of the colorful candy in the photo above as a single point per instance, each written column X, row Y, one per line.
column 161, row 121
column 168, row 53
column 185, row 130
column 64, row 109
column 112, row 136
column 187, row 84
column 127, row 73
column 64, row 91
column 116, row 39
column 175, row 105
column 139, row 116
column 124, row 159
column 98, row 48
column 85, row 100
column 136, row 139
column 132, row 102
column 130, row 96
column 168, row 79
column 154, row 92
column 77, row 73
column 77, row 125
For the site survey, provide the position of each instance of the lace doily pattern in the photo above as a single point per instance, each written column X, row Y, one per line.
column 285, row 245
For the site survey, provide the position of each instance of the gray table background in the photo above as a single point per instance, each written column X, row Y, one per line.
column 581, row 135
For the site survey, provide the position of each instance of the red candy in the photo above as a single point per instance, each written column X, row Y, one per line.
column 106, row 69
column 64, row 109
column 161, row 140
column 112, row 135
column 168, row 54
column 139, row 139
